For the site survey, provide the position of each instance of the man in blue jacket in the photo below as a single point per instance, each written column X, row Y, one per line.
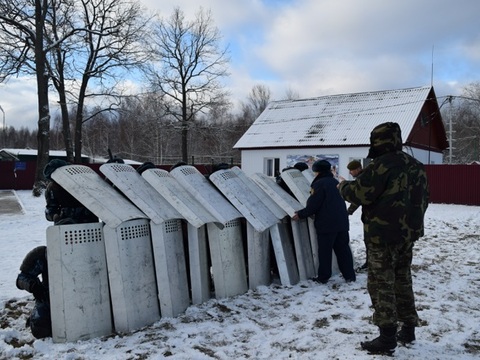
column 331, row 223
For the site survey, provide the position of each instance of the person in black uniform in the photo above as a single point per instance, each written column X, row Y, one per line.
column 34, row 265
column 301, row 166
column 331, row 223
column 61, row 207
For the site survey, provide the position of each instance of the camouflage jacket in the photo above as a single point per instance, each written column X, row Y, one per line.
column 393, row 191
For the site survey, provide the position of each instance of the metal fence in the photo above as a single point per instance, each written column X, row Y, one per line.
column 454, row 184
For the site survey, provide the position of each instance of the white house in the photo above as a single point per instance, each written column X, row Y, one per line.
column 337, row 128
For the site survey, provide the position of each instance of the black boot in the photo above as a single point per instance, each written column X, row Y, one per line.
column 384, row 344
column 406, row 335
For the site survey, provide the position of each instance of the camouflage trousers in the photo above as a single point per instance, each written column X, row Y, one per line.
column 390, row 283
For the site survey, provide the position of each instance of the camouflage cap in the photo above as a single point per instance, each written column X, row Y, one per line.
column 354, row 164
column 386, row 137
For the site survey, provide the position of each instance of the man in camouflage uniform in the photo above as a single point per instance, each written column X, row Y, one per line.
column 355, row 168
column 393, row 191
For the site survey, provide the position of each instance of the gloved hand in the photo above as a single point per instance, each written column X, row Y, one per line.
column 38, row 290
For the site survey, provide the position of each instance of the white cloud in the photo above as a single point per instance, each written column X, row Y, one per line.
column 319, row 47
column 18, row 98
column 348, row 46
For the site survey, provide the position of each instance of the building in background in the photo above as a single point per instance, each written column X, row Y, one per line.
column 337, row 128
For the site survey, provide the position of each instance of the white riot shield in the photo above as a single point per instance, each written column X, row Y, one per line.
column 228, row 261
column 259, row 217
column 244, row 200
column 259, row 261
column 191, row 209
column 203, row 191
column 167, row 236
column 133, row 286
column 226, row 245
column 303, row 252
column 96, row 195
column 198, row 261
column 284, row 253
column 309, row 175
column 281, row 239
column 140, row 192
column 283, row 199
column 78, row 282
column 298, row 184
column 170, row 268
column 197, row 216
column 256, row 189
column 300, row 187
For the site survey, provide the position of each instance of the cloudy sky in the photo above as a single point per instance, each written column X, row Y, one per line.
column 324, row 47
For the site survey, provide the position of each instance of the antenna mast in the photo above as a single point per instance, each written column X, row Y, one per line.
column 431, row 76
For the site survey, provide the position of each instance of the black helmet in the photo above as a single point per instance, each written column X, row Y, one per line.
column 115, row 160
column 220, row 166
column 301, row 166
column 178, row 164
column 52, row 166
column 321, row 166
column 145, row 166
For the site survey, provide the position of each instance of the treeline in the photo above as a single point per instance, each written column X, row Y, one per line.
column 140, row 130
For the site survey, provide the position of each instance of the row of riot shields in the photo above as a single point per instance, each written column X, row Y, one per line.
column 170, row 239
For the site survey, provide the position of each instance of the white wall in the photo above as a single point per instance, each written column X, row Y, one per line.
column 253, row 160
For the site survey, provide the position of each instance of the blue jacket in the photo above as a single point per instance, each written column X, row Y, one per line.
column 327, row 205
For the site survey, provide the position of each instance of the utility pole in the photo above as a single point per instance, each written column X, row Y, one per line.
column 4, row 128
column 450, row 141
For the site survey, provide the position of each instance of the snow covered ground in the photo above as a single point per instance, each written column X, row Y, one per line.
column 305, row 321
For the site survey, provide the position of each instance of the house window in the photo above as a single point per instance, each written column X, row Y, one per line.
column 271, row 166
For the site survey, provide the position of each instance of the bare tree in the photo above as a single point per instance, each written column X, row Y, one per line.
column 59, row 37
column 23, row 51
column 291, row 94
column 54, row 40
column 257, row 101
column 113, row 44
column 190, row 64
column 463, row 114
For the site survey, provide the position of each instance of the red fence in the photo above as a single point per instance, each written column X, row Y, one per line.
column 454, row 184
column 20, row 175
column 17, row 175
column 449, row 184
